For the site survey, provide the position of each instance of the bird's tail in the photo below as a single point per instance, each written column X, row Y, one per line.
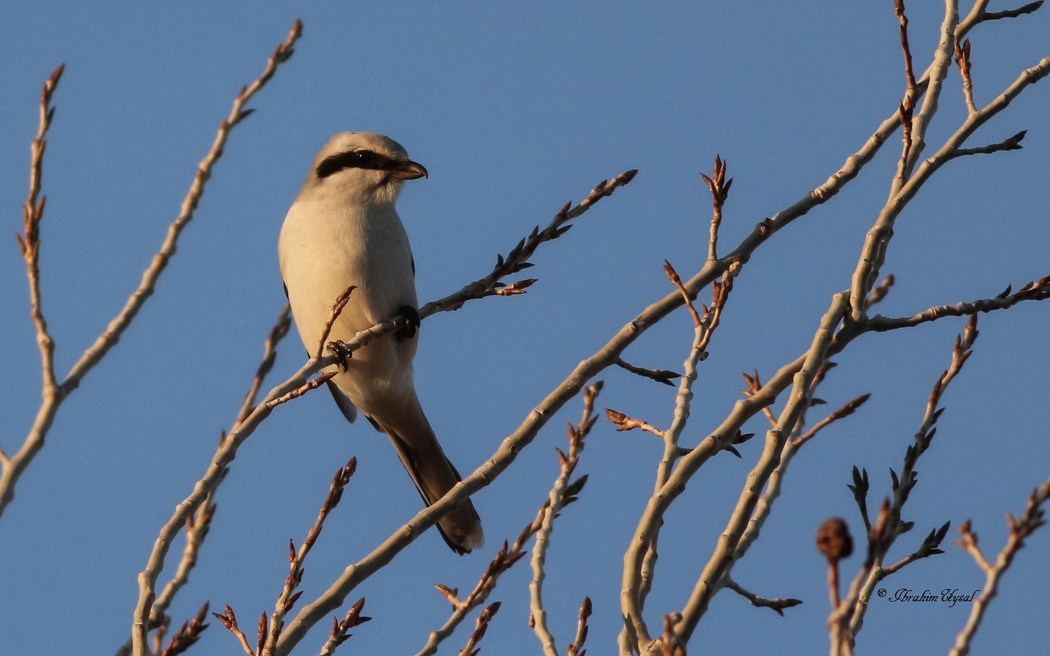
column 434, row 475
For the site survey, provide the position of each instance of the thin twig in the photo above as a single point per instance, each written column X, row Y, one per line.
column 613, row 349
column 707, row 584
column 625, row 423
column 29, row 243
column 576, row 648
column 1036, row 290
column 286, row 600
column 840, row 633
column 879, row 292
column 537, row 614
column 754, row 384
column 1013, row 143
column 299, row 391
column 229, row 620
column 719, row 188
column 1011, row 13
column 909, row 74
column 197, row 527
column 672, row 275
column 1020, row 529
column 962, row 60
column 11, row 467
column 843, row 412
column 277, row 333
column 480, row 627
column 903, row 484
column 703, row 332
column 505, row 558
column 777, row 605
column 662, row 376
column 517, row 258
column 339, row 633
column 187, row 635
column 877, row 240
column 94, row 354
column 333, row 315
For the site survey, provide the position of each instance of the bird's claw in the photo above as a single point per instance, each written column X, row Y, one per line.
column 340, row 350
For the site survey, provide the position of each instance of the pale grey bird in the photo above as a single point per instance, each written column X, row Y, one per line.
column 343, row 230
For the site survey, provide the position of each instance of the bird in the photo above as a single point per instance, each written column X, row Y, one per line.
column 343, row 230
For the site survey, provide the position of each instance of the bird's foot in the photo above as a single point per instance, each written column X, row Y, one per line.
column 340, row 350
column 411, row 315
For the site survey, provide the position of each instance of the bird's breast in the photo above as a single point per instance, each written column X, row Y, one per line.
column 325, row 247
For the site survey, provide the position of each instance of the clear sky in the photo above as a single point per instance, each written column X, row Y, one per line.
column 514, row 109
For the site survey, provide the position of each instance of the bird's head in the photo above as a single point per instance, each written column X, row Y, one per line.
column 363, row 166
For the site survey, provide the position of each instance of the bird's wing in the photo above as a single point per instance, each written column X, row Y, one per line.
column 343, row 401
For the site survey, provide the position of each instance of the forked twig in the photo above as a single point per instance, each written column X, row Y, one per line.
column 286, row 600
column 506, row 557
column 148, row 578
column 556, row 498
column 1020, row 529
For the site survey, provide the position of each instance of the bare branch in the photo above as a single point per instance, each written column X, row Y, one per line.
column 962, row 59
column 480, row 627
column 556, row 498
column 517, row 258
column 277, row 333
column 1037, row 290
column 576, row 648
column 229, row 620
column 1030, row 521
column 333, row 314
column 719, row 188
column 197, row 527
column 625, row 423
column 507, row 557
column 777, row 605
column 903, row 485
column 929, row 547
column 672, row 275
column 286, row 600
column 1013, row 143
column 613, row 350
column 29, row 243
column 1011, row 13
column 339, row 634
column 879, row 291
column 187, row 634
column 640, row 580
column 145, row 289
column 663, row 376
column 843, row 412
column 54, row 394
column 878, row 237
column 754, row 384
column 909, row 74
column 708, row 583
column 11, row 467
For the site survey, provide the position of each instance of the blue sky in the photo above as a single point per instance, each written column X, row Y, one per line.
column 514, row 110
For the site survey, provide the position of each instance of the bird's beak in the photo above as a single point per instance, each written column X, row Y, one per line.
column 406, row 169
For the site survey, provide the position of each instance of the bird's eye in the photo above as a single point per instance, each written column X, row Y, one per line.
column 365, row 158
column 353, row 159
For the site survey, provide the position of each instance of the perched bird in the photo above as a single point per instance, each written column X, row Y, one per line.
column 343, row 230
